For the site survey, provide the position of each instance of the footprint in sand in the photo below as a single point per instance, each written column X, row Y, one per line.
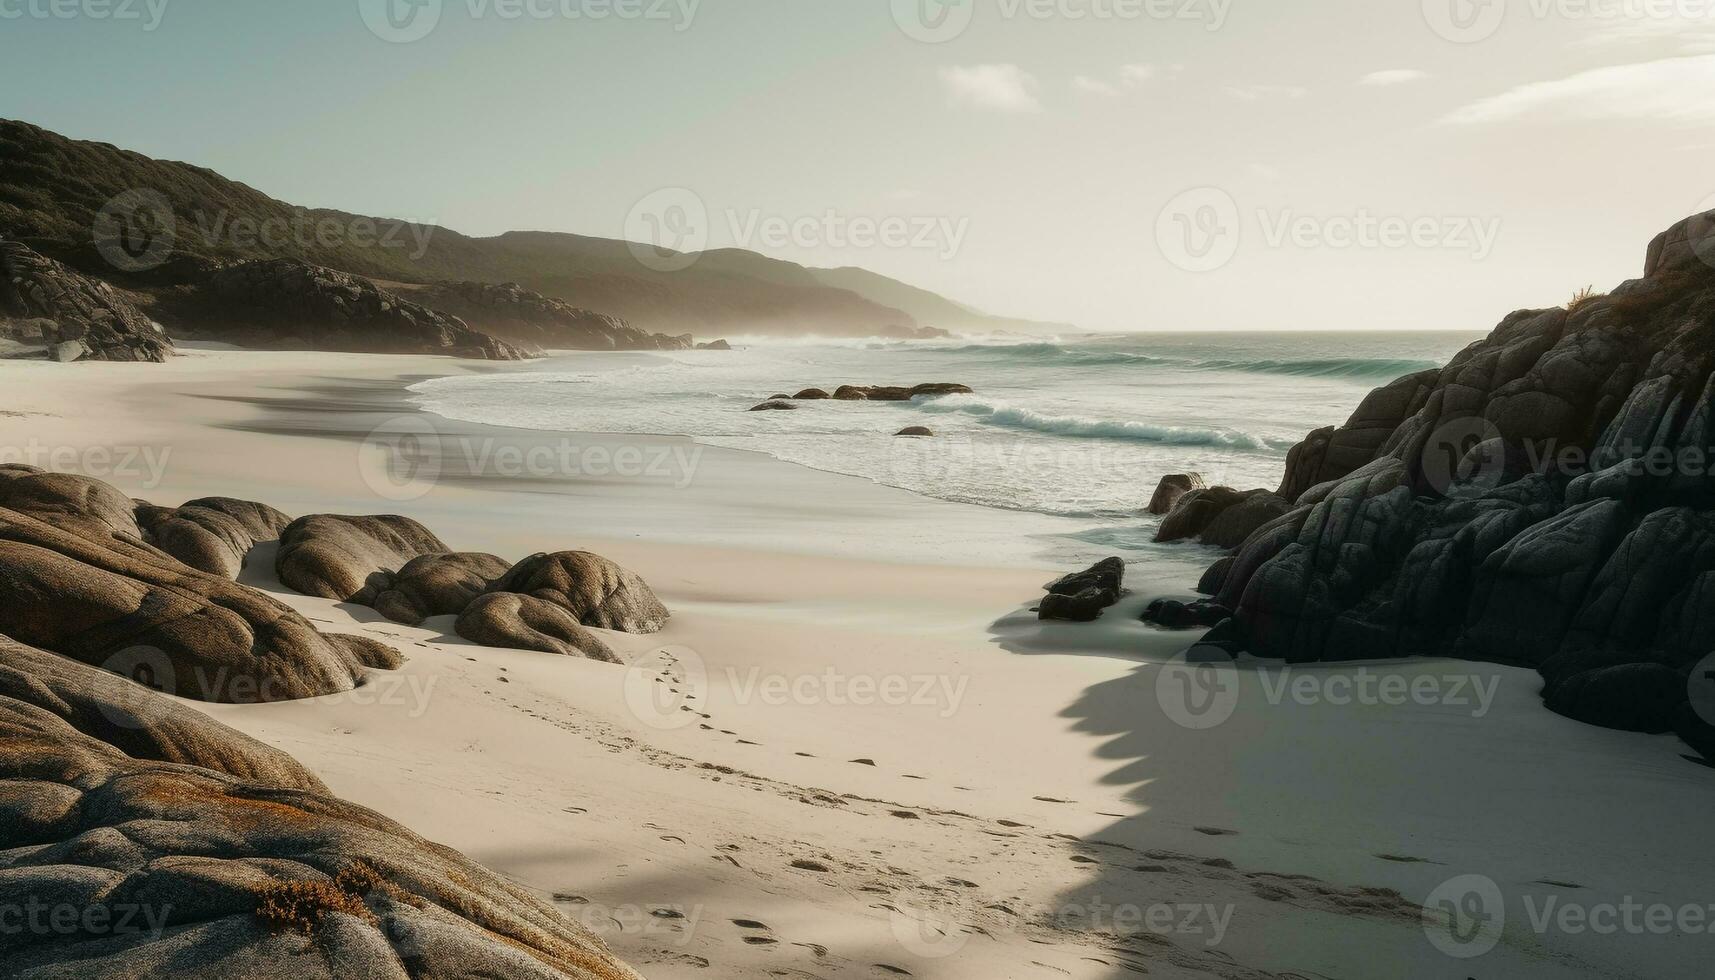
column 751, row 924
column 906, row 815
column 806, row 865
column 863, row 762
column 1215, row 832
column 1049, row 799
column 761, row 941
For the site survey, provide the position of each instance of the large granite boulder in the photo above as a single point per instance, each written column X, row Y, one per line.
column 213, row 534
column 595, row 591
column 78, row 578
column 287, row 303
column 438, row 585
column 523, row 622
column 1547, row 499
column 186, row 849
column 1220, row 516
column 350, row 559
column 44, row 304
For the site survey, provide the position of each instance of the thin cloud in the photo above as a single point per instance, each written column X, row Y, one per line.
column 1393, row 76
column 1094, row 86
column 1258, row 93
column 1673, row 90
column 1000, row 88
column 1130, row 77
column 1679, row 34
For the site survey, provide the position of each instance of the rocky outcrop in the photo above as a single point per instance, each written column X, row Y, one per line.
column 715, row 345
column 187, row 849
column 1547, row 499
column 1171, row 488
column 286, row 303
column 69, row 316
column 919, row 431
column 511, row 312
column 523, row 622
column 812, row 395
column 398, row 567
column 79, row 579
column 595, row 591
column 775, row 405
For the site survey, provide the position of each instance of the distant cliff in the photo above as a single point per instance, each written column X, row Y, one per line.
column 154, row 225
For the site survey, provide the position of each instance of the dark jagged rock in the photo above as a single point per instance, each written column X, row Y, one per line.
column 286, row 303
column 205, row 853
column 1171, row 488
column 44, row 304
column 438, row 585
column 595, row 591
column 350, row 559
column 1084, row 607
column 715, row 345
column 213, row 534
column 916, row 430
column 1109, row 574
column 522, row 316
column 522, row 622
column 79, row 580
column 1174, row 615
column 1547, row 499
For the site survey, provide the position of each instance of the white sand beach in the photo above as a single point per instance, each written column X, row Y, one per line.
column 855, row 753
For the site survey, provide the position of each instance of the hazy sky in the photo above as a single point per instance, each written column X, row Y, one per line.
column 1123, row 164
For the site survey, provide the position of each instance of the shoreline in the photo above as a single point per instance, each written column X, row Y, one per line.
column 1056, row 731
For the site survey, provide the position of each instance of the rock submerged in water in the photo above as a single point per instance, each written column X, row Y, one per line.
column 1171, row 488
column 1220, row 516
column 1082, row 596
column 1415, row 531
column 915, row 430
column 775, row 405
column 1083, row 607
column 811, row 395
column 1174, row 615
column 1109, row 574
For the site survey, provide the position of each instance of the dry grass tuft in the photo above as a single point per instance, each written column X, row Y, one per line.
column 302, row 906
column 1583, row 297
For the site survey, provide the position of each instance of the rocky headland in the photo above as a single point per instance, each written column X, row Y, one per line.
column 1544, row 500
